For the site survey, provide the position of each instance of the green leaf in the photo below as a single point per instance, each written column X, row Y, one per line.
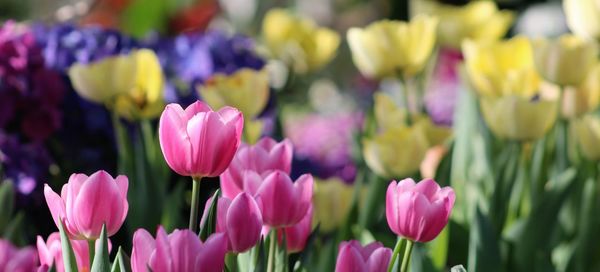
column 101, row 259
column 122, row 262
column 7, row 202
column 438, row 249
column 281, row 257
column 209, row 223
column 373, row 208
column 69, row 260
column 261, row 256
column 484, row 251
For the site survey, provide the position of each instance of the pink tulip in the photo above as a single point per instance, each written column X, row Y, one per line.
column 264, row 157
column 352, row 257
column 240, row 220
column 180, row 251
column 50, row 252
column 86, row 203
column 198, row 141
column 297, row 235
column 420, row 211
column 17, row 260
column 284, row 203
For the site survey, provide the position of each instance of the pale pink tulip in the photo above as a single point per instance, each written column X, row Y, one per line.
column 13, row 259
column 50, row 252
column 180, row 251
column 86, row 203
column 284, row 203
column 265, row 156
column 353, row 257
column 296, row 236
column 419, row 211
column 240, row 219
column 198, row 141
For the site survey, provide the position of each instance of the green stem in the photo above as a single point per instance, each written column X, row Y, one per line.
column 195, row 203
column 407, row 253
column 92, row 250
column 399, row 244
column 272, row 244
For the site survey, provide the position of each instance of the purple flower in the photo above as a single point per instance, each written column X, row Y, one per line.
column 442, row 94
column 25, row 164
column 324, row 144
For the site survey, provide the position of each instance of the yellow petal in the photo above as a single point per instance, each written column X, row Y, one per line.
column 583, row 17
column 587, row 134
column 332, row 199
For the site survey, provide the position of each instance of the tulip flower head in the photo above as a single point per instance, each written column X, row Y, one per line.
column 198, row 141
column 284, row 203
column 296, row 236
column 87, row 203
column 252, row 162
column 15, row 259
column 180, row 251
column 50, row 252
column 583, row 17
column 418, row 212
column 240, row 219
column 352, row 257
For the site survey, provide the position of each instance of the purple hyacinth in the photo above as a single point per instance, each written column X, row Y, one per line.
column 24, row 164
column 30, row 94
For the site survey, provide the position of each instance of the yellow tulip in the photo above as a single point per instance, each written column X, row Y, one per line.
column 386, row 48
column 388, row 115
column 246, row 90
column 587, row 135
column 566, row 60
column 298, row 41
column 131, row 85
column 332, row 199
column 478, row 20
column 517, row 118
column 584, row 98
column 397, row 152
column 583, row 17
column 502, row 68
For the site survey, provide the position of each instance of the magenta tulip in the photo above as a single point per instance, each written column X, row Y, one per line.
column 17, row 260
column 50, row 252
column 240, row 219
column 265, row 156
column 86, row 203
column 296, row 235
column 198, row 141
column 418, row 212
column 284, row 203
column 352, row 257
column 180, row 251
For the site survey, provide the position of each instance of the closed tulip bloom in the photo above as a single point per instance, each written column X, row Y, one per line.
column 418, row 212
column 246, row 90
column 352, row 257
column 382, row 156
column 198, row 141
column 477, row 20
column 87, row 203
column 252, row 161
column 501, row 68
column 131, row 85
column 583, row 17
column 298, row 41
column 17, row 260
column 297, row 235
column 240, row 219
column 566, row 60
column 517, row 118
column 180, row 251
column 284, row 203
column 50, row 252
column 587, row 135
column 384, row 48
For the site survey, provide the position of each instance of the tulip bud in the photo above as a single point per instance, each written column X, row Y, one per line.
column 284, row 203
column 353, row 257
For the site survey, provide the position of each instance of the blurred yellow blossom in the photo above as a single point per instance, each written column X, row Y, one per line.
column 386, row 48
column 502, row 68
column 587, row 134
column 246, row 90
column 478, row 20
column 131, row 85
column 583, row 98
column 299, row 41
column 332, row 201
column 517, row 118
column 566, row 60
column 583, row 17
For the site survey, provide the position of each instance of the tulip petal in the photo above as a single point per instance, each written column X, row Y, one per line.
column 143, row 246
column 174, row 140
column 244, row 223
column 379, row 260
column 212, row 256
